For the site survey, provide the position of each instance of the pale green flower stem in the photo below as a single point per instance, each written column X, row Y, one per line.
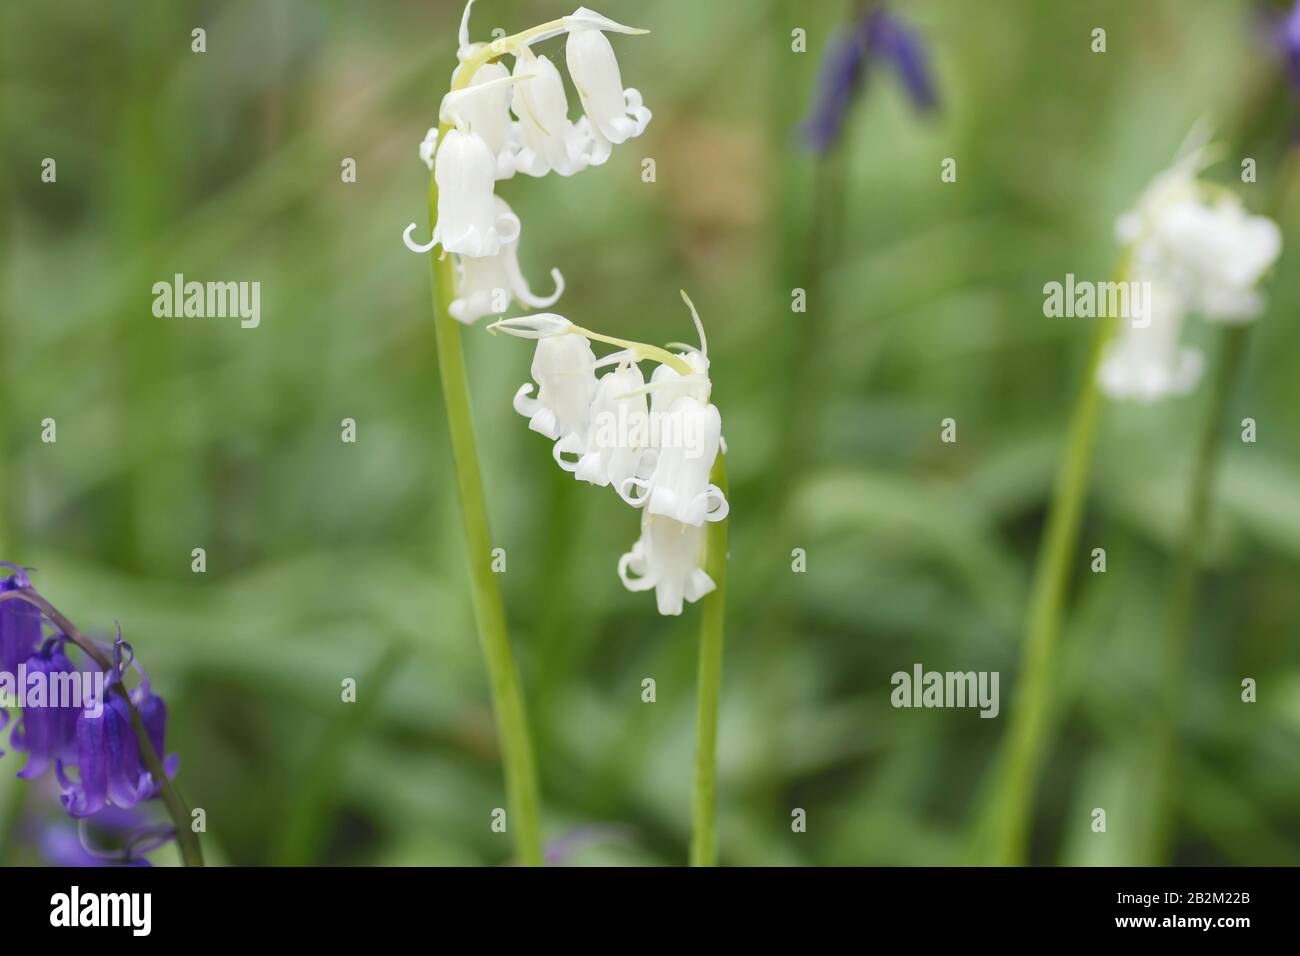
column 1010, row 811
column 704, row 792
column 1182, row 590
column 524, row 818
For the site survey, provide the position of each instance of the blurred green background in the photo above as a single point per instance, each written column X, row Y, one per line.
column 328, row 560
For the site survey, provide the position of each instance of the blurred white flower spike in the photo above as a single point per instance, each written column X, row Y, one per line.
column 658, row 459
column 1201, row 252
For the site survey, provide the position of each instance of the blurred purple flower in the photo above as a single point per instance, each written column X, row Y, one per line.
column 564, row 847
column 95, row 739
column 876, row 36
column 47, row 734
column 902, row 48
column 80, row 844
column 20, row 623
column 1287, row 35
column 110, row 769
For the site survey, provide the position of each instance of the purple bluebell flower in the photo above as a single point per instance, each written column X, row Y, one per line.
column 20, row 623
column 47, row 733
column 892, row 40
column 842, row 68
column 876, row 36
column 1286, row 33
column 110, row 771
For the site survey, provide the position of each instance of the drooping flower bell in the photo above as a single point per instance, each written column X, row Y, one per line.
column 20, row 623
column 547, row 139
column 876, row 37
column 47, row 732
column 613, row 113
column 489, row 284
column 110, row 769
column 617, row 432
column 678, row 487
column 669, row 557
column 484, row 110
column 469, row 221
column 564, row 368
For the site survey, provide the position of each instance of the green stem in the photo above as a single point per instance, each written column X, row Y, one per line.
column 1012, row 807
column 186, row 839
column 1182, row 590
column 489, row 611
column 704, row 793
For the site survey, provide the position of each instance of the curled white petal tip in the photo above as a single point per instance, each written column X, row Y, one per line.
column 414, row 246
column 584, row 18
column 538, row 326
column 544, row 302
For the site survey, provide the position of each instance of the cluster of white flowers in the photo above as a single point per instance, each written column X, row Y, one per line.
column 498, row 122
column 655, row 444
column 1199, row 251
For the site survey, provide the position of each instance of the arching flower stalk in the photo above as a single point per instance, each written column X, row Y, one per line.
column 496, row 121
column 105, row 747
column 663, row 457
column 1200, row 253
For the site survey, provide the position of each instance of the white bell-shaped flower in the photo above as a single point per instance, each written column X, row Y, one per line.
column 617, row 433
column 669, row 557
column 469, row 221
column 547, row 139
column 1200, row 240
column 614, row 114
column 489, row 284
column 483, row 108
column 1216, row 253
column 564, row 368
column 1147, row 362
column 686, row 441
